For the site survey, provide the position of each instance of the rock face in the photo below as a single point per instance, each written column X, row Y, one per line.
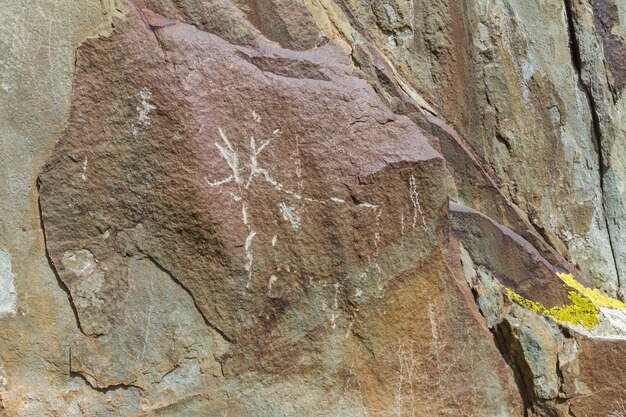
column 321, row 207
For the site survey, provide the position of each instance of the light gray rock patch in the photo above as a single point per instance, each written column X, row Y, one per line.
column 3, row 379
column 8, row 296
column 80, row 262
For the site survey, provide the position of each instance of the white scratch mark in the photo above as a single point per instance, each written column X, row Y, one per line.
column 299, row 166
column 349, row 328
column 412, row 14
column 234, row 196
column 274, row 240
column 433, row 322
column 406, row 380
column 146, row 107
column 256, row 116
column 337, row 200
column 249, row 256
column 416, row 204
column 50, row 48
column 254, row 163
column 146, row 336
column 83, row 175
column 333, row 320
column 377, row 232
column 231, row 157
column 335, row 314
column 271, row 282
column 367, row 205
column 143, row 111
column 220, row 182
column 378, row 275
column 290, row 215
column 244, row 213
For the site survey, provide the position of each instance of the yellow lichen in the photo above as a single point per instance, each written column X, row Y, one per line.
column 582, row 311
column 585, row 307
column 597, row 297
column 529, row 304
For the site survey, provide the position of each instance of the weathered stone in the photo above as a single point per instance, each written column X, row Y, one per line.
column 546, row 356
column 502, row 74
column 223, row 193
column 595, row 380
column 607, row 107
column 246, row 203
column 220, row 17
column 607, row 23
column 156, row 330
column 510, row 258
column 531, row 342
column 37, row 45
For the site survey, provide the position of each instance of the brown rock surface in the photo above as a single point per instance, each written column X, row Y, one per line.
column 310, row 208
column 205, row 165
column 596, row 379
column 562, row 370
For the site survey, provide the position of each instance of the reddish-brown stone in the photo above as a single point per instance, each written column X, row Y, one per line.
column 307, row 221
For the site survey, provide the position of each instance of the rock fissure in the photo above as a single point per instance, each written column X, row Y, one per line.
column 52, row 266
column 596, row 127
column 525, row 389
column 180, row 284
column 107, row 389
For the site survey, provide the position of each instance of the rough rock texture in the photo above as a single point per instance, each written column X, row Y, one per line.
column 203, row 169
column 312, row 207
column 561, row 371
